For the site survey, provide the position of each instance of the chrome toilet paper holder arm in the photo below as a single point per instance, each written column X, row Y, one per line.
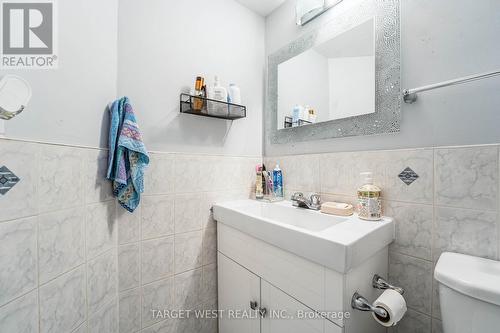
column 379, row 282
column 360, row 303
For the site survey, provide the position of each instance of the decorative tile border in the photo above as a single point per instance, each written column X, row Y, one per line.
column 7, row 180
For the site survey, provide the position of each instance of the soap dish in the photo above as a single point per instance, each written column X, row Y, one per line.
column 337, row 208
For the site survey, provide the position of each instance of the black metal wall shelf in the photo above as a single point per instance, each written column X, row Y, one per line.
column 206, row 107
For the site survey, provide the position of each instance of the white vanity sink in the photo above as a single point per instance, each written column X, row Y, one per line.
column 338, row 243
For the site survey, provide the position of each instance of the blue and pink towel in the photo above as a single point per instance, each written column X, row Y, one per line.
column 128, row 157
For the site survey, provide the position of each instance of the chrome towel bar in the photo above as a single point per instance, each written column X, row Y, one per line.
column 410, row 95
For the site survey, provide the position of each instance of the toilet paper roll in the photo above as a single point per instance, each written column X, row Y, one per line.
column 395, row 306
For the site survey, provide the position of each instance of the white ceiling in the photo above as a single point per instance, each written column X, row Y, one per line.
column 262, row 7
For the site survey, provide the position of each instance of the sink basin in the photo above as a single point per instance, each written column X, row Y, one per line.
column 339, row 243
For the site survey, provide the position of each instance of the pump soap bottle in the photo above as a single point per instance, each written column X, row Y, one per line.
column 369, row 199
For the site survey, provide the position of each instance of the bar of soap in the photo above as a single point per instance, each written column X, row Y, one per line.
column 337, row 208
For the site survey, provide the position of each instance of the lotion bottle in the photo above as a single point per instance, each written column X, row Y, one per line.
column 369, row 199
column 220, row 93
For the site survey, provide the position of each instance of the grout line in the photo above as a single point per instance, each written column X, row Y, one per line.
column 37, row 240
column 20, row 296
column 410, row 256
column 165, row 152
column 278, row 156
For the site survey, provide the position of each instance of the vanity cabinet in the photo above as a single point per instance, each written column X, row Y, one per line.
column 253, row 305
column 264, row 289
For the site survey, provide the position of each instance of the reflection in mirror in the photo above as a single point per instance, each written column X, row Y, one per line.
column 333, row 80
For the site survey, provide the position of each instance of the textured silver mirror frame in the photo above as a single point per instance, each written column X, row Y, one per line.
column 387, row 116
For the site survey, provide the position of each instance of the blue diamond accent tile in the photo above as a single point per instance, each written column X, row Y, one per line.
column 7, row 180
column 408, row 176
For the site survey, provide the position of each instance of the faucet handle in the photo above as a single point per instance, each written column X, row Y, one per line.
column 315, row 199
column 297, row 196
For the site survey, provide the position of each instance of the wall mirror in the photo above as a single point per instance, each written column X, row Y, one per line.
column 342, row 79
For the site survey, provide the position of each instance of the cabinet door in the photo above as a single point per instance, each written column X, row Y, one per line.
column 237, row 288
column 284, row 314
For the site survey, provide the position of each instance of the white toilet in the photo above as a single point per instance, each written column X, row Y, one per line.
column 469, row 292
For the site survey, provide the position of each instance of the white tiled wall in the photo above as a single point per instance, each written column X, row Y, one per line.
column 72, row 261
column 452, row 206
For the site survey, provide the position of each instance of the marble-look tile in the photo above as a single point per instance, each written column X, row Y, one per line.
column 18, row 259
column 157, row 296
column 467, row 177
column 188, row 211
column 157, row 216
column 82, row 329
column 209, row 250
column 240, row 172
column 436, row 305
column 219, row 173
column 340, row 173
column 188, row 289
column 61, row 242
column 62, row 302
column 209, row 283
column 129, row 225
column 61, row 177
column 159, row 176
column 300, row 172
column 101, row 280
column 208, row 325
column 211, row 198
column 391, row 163
column 106, row 319
column 165, row 326
column 97, row 187
column 437, row 326
column 188, row 251
column 190, row 175
column 20, row 315
column 22, row 159
column 413, row 322
column 130, row 311
column 101, row 228
column 415, row 276
column 129, row 269
column 465, row 231
column 157, row 259
column 413, row 228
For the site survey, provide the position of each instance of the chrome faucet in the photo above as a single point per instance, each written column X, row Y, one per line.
column 298, row 200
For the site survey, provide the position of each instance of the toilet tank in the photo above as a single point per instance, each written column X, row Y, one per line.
column 469, row 293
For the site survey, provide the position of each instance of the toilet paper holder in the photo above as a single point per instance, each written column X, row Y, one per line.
column 358, row 302
column 379, row 282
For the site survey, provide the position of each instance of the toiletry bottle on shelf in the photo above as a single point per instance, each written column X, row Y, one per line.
column 304, row 113
column 278, row 181
column 211, row 107
column 220, row 94
column 264, row 183
column 258, row 183
column 369, row 199
column 312, row 116
column 198, row 91
column 234, row 94
column 295, row 115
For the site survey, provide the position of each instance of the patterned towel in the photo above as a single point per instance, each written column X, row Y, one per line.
column 128, row 157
